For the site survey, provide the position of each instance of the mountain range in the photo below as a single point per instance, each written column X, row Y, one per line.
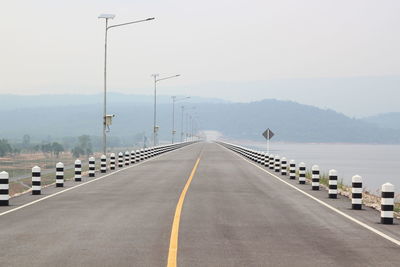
column 56, row 117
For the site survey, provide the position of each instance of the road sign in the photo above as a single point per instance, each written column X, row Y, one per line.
column 268, row 134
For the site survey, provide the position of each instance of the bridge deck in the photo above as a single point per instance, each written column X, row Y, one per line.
column 234, row 214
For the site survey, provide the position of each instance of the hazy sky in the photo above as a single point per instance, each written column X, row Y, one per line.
column 51, row 46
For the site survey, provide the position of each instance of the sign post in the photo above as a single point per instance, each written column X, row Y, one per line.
column 268, row 134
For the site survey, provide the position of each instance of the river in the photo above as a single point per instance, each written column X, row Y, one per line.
column 377, row 164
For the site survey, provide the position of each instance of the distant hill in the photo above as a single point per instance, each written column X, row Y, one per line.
column 11, row 102
column 385, row 120
column 289, row 120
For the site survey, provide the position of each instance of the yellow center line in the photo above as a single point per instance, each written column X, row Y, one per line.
column 173, row 243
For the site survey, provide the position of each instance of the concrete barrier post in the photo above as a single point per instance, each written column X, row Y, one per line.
column 315, row 177
column 60, row 174
column 120, row 160
column 271, row 162
column 292, row 170
column 333, row 177
column 302, row 173
column 92, row 167
column 356, row 192
column 141, row 154
column 266, row 160
column 36, row 181
column 78, row 170
column 112, row 161
column 284, row 166
column 127, row 158
column 387, row 203
column 133, row 157
column 277, row 164
column 4, row 188
column 263, row 158
column 259, row 161
column 137, row 155
column 103, row 164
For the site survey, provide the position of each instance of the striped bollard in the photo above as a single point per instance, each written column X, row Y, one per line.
column 78, row 170
column 315, row 177
column 137, row 155
column 36, row 181
column 141, row 154
column 127, row 158
column 60, row 174
column 103, row 164
column 133, row 157
column 259, row 157
column 277, row 164
column 266, row 160
column 302, row 173
column 387, row 203
column 120, row 160
column 271, row 162
column 112, row 161
column 356, row 192
column 146, row 153
column 292, row 170
column 333, row 184
column 284, row 166
column 92, row 166
column 263, row 158
column 4, row 189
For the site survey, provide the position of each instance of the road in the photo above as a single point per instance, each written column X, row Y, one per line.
column 233, row 214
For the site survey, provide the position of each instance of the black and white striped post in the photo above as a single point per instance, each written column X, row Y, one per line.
column 4, row 188
column 120, row 160
column 263, row 158
column 92, row 167
column 103, row 164
column 333, row 177
column 266, row 160
column 302, row 173
column 283, row 166
column 387, row 203
column 315, row 177
column 112, row 161
column 141, row 154
column 137, row 155
column 60, row 174
column 127, row 158
column 259, row 160
column 78, row 170
column 271, row 162
column 277, row 164
column 356, row 192
column 133, row 157
column 36, row 181
column 292, row 170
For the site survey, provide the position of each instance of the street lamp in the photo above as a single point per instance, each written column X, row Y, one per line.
column 174, row 99
column 156, row 80
column 107, row 17
column 187, row 123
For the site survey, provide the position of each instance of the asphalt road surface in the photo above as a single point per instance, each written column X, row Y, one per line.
column 233, row 213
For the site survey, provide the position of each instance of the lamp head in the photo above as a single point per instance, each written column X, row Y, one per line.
column 106, row 16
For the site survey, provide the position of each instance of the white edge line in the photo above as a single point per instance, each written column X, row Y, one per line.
column 395, row 241
column 82, row 184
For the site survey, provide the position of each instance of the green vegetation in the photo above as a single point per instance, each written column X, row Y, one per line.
column 5, row 147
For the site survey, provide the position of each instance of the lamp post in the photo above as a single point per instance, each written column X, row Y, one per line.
column 156, row 80
column 183, row 110
column 174, row 99
column 107, row 17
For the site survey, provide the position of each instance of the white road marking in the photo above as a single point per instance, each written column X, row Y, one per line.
column 395, row 241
